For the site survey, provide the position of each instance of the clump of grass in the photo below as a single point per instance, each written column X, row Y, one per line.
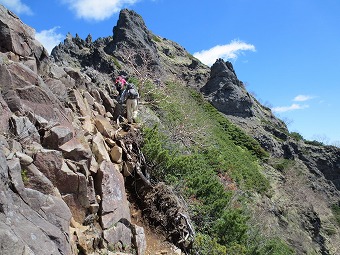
column 156, row 38
column 296, row 136
column 24, row 176
column 336, row 212
column 116, row 63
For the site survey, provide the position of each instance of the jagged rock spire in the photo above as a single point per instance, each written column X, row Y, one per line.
column 226, row 92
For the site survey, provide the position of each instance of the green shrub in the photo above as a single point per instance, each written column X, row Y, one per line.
column 232, row 131
column 281, row 164
column 115, row 61
column 231, row 227
column 336, row 212
column 237, row 249
column 205, row 245
column 315, row 143
column 190, row 118
column 194, row 150
column 296, row 136
column 156, row 38
column 194, row 169
column 275, row 246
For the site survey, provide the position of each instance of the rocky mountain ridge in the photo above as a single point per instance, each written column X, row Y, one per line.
column 66, row 158
column 228, row 94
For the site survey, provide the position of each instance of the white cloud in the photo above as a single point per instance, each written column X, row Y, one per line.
column 97, row 10
column 16, row 6
column 301, row 98
column 49, row 38
column 289, row 108
column 226, row 52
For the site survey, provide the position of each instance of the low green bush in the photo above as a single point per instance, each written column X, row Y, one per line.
column 281, row 164
column 296, row 136
column 115, row 61
column 231, row 227
column 275, row 246
column 205, row 245
column 315, row 143
column 195, row 149
column 156, row 38
column 336, row 212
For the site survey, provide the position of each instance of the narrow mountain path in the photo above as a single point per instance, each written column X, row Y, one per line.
column 156, row 241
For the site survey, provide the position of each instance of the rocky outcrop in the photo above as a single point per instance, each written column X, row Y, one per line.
column 323, row 161
column 64, row 156
column 166, row 59
column 133, row 50
column 227, row 93
column 230, row 97
column 31, row 222
column 18, row 40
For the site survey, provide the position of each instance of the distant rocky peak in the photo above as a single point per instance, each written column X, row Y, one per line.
column 132, row 29
column 129, row 19
column 222, row 68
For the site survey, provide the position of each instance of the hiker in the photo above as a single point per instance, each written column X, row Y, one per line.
column 120, row 84
column 130, row 95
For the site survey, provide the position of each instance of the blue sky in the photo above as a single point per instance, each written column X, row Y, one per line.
column 287, row 52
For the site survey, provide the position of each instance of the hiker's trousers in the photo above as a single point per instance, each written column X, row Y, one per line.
column 131, row 109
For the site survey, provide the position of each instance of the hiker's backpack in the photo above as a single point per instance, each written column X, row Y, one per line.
column 132, row 92
column 119, row 85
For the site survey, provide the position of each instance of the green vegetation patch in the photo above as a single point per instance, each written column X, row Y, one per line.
column 212, row 163
column 24, row 176
column 336, row 212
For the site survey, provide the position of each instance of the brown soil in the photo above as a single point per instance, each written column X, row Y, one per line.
column 155, row 240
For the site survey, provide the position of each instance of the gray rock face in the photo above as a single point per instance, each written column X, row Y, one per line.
column 5, row 114
column 57, row 136
column 19, row 38
column 34, row 222
column 24, row 129
column 164, row 59
column 114, row 205
column 131, row 29
column 323, row 161
column 226, row 92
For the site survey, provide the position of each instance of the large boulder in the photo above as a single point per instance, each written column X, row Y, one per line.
column 25, row 92
column 23, row 128
column 19, row 38
column 115, row 217
column 57, row 136
column 30, row 222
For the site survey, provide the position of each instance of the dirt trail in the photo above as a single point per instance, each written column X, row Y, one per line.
column 156, row 241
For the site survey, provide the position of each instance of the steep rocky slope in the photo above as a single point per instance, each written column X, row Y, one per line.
column 230, row 97
column 305, row 189
column 63, row 155
column 67, row 162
